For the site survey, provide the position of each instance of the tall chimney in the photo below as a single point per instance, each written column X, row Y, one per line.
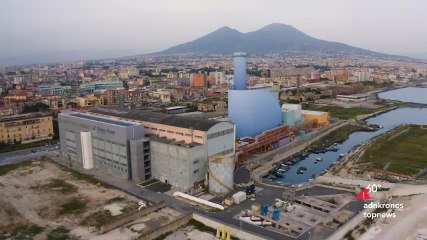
column 239, row 71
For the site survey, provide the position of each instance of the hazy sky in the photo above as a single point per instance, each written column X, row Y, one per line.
column 53, row 30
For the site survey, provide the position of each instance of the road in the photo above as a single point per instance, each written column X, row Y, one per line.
column 28, row 154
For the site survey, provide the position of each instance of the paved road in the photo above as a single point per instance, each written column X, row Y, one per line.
column 28, row 154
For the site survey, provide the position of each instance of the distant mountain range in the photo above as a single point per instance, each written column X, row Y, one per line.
column 273, row 38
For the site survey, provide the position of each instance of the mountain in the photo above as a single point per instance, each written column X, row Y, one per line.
column 273, row 38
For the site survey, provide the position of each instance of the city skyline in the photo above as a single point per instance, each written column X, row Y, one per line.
column 53, row 31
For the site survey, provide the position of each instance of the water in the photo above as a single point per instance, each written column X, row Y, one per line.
column 409, row 94
column 388, row 120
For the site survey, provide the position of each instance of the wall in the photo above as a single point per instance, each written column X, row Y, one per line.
column 219, row 142
column 233, row 231
column 170, row 227
column 180, row 166
column 108, row 140
column 253, row 111
column 129, row 218
column 140, row 158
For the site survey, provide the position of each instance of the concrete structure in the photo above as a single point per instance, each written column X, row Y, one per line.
column 354, row 98
column 52, row 89
column 170, row 148
column 291, row 114
column 87, row 154
column 111, row 151
column 24, row 128
column 321, row 117
column 221, row 174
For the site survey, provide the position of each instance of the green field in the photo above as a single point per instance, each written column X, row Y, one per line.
column 403, row 149
column 337, row 136
column 341, row 112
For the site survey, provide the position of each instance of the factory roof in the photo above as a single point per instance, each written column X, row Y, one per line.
column 160, row 118
column 104, row 120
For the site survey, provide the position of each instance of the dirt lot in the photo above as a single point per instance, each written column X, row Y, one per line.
column 41, row 200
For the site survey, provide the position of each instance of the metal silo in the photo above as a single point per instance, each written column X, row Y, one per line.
column 221, row 174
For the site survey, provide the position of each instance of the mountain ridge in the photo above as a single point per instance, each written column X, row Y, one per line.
column 272, row 38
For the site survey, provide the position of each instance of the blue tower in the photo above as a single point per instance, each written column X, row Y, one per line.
column 239, row 71
column 254, row 109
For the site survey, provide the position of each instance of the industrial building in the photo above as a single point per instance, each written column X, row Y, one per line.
column 322, row 118
column 253, row 110
column 140, row 145
column 291, row 114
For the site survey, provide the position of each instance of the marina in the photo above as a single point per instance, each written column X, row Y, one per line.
column 319, row 161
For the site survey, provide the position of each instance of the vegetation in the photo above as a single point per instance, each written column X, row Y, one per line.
column 8, row 168
column 59, row 233
column 337, row 136
column 73, row 205
column 342, row 112
column 115, row 199
column 14, row 147
column 98, row 219
column 202, row 227
column 403, row 149
column 22, row 232
column 60, row 185
column 36, row 107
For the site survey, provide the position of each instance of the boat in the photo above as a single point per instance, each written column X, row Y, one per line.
column 302, row 168
column 286, row 168
column 319, row 159
column 342, row 155
column 284, row 165
column 300, row 171
column 280, row 175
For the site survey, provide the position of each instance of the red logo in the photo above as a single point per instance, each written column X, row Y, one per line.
column 363, row 194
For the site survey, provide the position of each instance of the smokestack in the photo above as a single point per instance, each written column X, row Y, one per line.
column 240, row 71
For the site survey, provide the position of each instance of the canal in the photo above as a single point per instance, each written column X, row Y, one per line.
column 388, row 120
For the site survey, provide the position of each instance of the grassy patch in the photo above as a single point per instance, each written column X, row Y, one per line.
column 74, row 205
column 98, row 219
column 404, row 148
column 60, row 185
column 115, row 199
column 202, row 227
column 59, row 233
column 8, row 168
column 23, row 232
column 403, row 169
column 342, row 112
column 337, row 136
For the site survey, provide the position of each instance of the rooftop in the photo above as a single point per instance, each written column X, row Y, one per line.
column 160, row 118
column 104, row 120
column 23, row 116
